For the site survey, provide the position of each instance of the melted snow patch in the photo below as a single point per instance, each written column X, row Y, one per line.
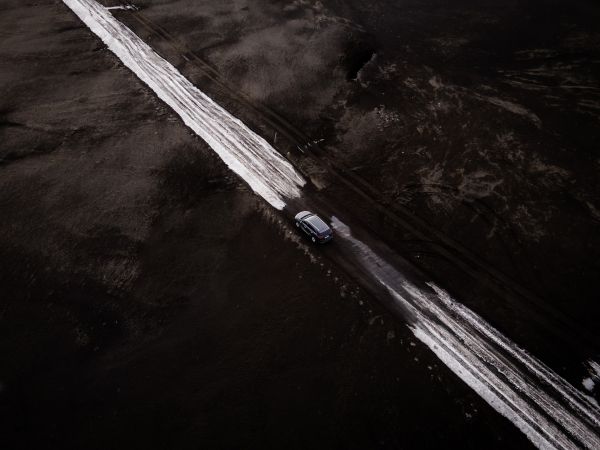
column 123, row 7
column 594, row 368
column 512, row 107
column 588, row 383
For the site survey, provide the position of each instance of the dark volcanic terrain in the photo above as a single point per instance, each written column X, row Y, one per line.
column 481, row 118
column 148, row 299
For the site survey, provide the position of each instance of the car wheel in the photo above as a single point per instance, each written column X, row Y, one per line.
column 313, row 239
column 297, row 224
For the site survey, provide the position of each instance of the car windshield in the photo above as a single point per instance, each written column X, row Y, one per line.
column 318, row 224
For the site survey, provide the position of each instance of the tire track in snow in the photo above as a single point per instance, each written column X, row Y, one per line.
column 251, row 157
column 545, row 407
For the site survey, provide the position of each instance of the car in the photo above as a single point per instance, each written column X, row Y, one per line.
column 314, row 227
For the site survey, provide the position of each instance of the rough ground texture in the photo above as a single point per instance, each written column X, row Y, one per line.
column 479, row 117
column 476, row 121
column 149, row 300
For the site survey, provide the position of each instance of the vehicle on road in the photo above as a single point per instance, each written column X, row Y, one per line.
column 314, row 227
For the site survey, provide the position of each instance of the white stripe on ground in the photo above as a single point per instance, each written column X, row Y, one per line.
column 594, row 368
column 247, row 154
column 544, row 406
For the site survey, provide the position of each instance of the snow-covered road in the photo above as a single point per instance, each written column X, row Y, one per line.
column 247, row 154
column 551, row 412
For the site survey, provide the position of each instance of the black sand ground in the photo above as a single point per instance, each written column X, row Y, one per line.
column 478, row 117
column 463, row 135
column 149, row 300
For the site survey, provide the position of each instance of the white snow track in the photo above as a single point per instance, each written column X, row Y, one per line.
column 269, row 174
column 544, row 406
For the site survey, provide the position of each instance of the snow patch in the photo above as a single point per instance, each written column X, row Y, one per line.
column 588, row 383
column 512, row 107
column 247, row 154
column 545, row 407
column 123, row 7
column 594, row 368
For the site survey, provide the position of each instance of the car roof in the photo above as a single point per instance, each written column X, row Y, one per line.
column 302, row 214
column 317, row 223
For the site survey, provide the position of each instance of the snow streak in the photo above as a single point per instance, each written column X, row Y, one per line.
column 251, row 157
column 544, row 406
